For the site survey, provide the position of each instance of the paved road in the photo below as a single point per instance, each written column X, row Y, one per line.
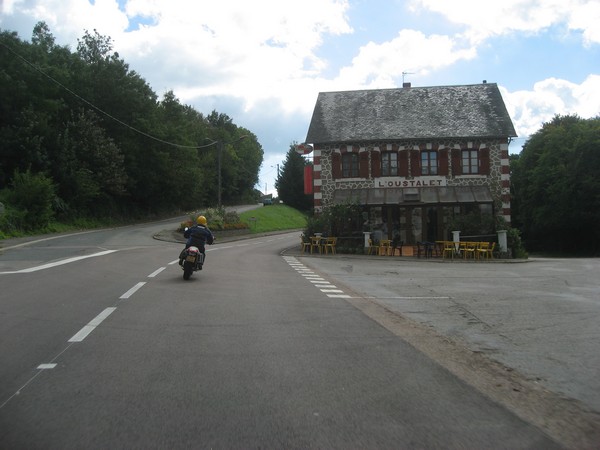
column 540, row 320
column 115, row 350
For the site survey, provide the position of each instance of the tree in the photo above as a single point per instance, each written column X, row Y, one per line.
column 98, row 132
column 90, row 170
column 290, row 181
column 556, row 188
column 31, row 195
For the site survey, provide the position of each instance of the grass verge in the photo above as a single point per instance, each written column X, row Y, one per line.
column 273, row 218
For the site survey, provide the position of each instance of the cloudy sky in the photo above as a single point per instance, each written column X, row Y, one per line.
column 263, row 62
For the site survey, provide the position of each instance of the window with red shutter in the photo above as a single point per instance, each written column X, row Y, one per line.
column 364, row 164
column 389, row 164
column 443, row 162
column 429, row 163
column 415, row 163
column 470, row 161
column 349, row 165
column 336, row 165
column 403, row 163
column 375, row 164
column 456, row 162
column 484, row 161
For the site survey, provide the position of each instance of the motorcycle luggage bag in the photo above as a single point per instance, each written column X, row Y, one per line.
column 201, row 258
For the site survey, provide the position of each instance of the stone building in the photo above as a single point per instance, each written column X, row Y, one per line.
column 413, row 157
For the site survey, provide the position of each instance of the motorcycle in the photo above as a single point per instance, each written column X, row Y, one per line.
column 193, row 259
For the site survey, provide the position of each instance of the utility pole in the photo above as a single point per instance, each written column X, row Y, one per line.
column 220, row 146
column 219, row 158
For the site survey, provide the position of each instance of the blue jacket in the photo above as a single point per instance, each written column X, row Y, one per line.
column 198, row 236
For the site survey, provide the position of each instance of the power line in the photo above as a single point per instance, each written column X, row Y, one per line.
column 143, row 133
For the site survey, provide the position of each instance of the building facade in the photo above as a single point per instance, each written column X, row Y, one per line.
column 414, row 158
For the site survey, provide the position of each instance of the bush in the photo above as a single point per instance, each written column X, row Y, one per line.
column 11, row 222
column 513, row 236
column 29, row 201
column 217, row 220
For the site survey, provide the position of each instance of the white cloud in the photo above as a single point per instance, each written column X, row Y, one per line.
column 587, row 18
column 529, row 110
column 380, row 65
column 486, row 18
column 254, row 51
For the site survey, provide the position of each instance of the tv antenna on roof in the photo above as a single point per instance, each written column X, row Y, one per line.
column 406, row 73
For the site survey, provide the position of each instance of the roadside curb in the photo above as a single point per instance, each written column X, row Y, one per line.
column 177, row 237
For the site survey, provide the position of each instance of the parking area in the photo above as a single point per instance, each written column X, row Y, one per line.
column 540, row 317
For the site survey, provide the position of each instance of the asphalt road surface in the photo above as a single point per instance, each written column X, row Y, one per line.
column 104, row 345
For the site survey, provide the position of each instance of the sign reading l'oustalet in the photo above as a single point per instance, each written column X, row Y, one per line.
column 402, row 182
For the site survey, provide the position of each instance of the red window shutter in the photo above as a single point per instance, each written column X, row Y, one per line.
column 484, row 161
column 375, row 164
column 363, row 165
column 336, row 165
column 308, row 179
column 403, row 163
column 415, row 163
column 443, row 162
column 456, row 155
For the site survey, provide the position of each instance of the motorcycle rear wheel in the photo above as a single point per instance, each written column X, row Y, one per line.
column 188, row 269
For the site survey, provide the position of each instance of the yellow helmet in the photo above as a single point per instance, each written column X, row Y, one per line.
column 201, row 220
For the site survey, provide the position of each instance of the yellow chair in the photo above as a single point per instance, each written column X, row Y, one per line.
column 481, row 249
column 470, row 250
column 315, row 242
column 486, row 251
column 372, row 249
column 448, row 248
column 330, row 245
column 385, row 247
column 304, row 245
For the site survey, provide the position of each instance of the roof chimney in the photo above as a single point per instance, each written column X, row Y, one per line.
column 406, row 85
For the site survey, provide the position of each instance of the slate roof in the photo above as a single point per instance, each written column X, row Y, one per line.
column 469, row 111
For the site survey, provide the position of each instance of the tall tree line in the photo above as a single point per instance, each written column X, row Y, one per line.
column 92, row 127
column 556, row 187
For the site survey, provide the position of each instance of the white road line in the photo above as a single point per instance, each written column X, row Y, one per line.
column 46, row 366
column 60, row 263
column 410, row 298
column 132, row 291
column 83, row 333
column 156, row 272
column 324, row 286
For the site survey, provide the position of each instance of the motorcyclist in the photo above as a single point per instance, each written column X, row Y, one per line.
column 199, row 235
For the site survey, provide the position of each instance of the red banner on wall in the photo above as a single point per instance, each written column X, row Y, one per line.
column 308, row 179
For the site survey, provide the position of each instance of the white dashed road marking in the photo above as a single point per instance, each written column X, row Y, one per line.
column 323, row 285
column 131, row 291
column 83, row 333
